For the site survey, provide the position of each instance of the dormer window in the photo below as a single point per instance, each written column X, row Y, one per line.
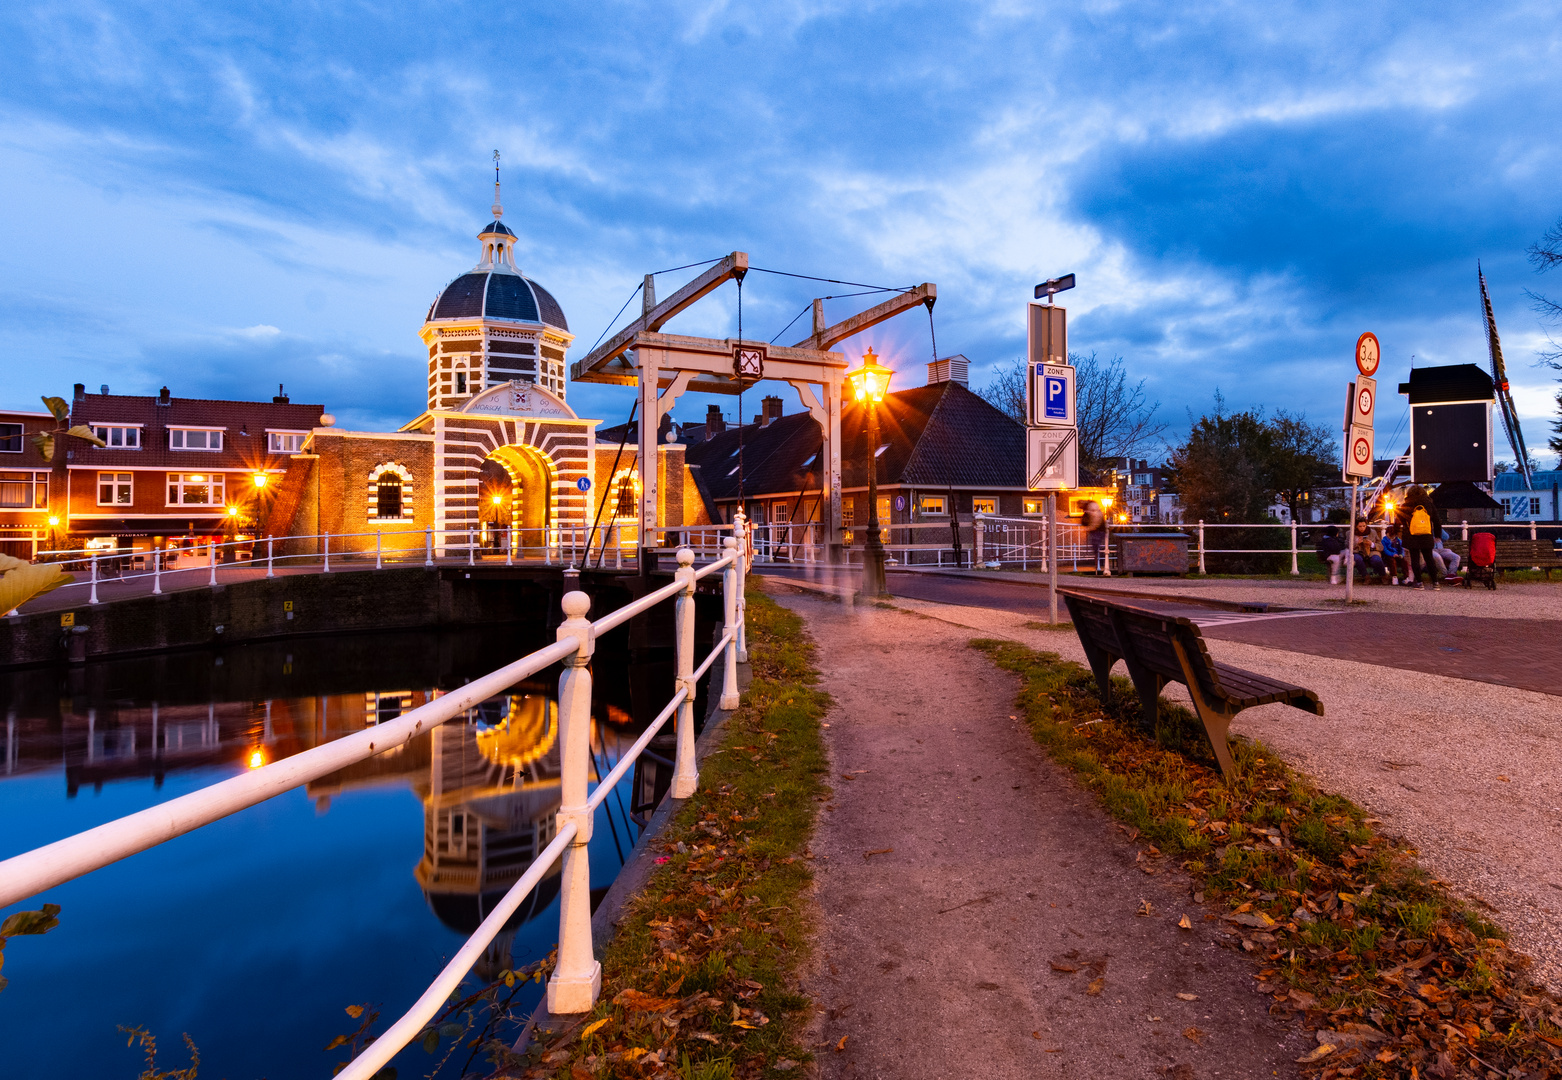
column 119, row 438
column 195, row 438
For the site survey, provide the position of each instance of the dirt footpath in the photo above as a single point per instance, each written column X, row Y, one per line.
column 980, row 915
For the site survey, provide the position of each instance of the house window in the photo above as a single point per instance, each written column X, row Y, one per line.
column 387, row 496
column 195, row 438
column 984, row 506
column 119, row 438
column 24, row 490
column 195, row 489
column 460, row 382
column 848, row 510
column 114, row 488
column 780, row 513
column 285, row 442
column 625, row 505
column 1035, row 506
column 932, row 504
column 884, row 517
column 11, row 438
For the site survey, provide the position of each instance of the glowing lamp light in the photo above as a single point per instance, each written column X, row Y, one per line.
column 1106, row 501
column 256, row 759
column 498, row 500
column 54, row 519
column 233, row 511
column 260, row 479
column 871, row 381
column 197, row 477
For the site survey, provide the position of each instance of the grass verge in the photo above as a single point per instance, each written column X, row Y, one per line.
column 699, row 980
column 1400, row 977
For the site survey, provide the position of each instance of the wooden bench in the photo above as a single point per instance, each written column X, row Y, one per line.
column 1165, row 648
column 1524, row 554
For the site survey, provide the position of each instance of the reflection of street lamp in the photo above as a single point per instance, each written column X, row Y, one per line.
column 257, row 499
column 869, row 384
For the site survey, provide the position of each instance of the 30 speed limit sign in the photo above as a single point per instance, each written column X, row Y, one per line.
column 1358, row 452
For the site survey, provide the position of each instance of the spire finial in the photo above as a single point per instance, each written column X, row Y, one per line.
column 498, row 210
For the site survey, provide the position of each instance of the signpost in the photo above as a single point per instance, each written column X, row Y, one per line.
column 1051, row 437
column 1361, row 401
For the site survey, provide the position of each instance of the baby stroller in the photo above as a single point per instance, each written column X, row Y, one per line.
column 1483, row 557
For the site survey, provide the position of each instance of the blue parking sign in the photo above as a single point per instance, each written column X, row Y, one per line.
column 1054, row 393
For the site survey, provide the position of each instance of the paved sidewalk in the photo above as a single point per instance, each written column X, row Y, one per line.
column 980, row 915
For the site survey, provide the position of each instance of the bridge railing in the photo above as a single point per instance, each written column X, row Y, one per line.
column 576, row 980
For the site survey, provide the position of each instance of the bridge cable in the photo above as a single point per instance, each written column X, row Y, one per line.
column 837, row 296
column 613, row 472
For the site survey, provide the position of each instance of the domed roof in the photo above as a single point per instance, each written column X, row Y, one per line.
column 489, row 294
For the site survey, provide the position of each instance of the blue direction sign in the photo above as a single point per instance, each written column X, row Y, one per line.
column 584, row 483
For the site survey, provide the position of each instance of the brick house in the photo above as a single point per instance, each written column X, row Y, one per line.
column 25, row 489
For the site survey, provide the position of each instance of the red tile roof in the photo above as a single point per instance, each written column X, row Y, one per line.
column 245, row 424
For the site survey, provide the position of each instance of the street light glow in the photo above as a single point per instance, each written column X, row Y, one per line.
column 498, row 500
column 257, row 759
column 54, row 519
column 871, row 381
column 260, row 479
column 233, row 511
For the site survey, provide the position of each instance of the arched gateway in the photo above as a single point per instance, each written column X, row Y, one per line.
column 544, row 448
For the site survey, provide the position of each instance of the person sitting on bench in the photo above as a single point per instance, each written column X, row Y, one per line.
column 1447, row 561
column 1394, row 556
column 1368, row 553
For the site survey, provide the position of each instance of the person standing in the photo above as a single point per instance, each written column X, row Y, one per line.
column 1421, row 523
column 1093, row 519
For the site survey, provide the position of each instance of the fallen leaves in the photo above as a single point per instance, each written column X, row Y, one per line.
column 1317, row 1053
column 842, row 1044
column 1193, row 1035
column 877, row 851
column 1096, row 986
column 1187, row 997
column 1185, row 923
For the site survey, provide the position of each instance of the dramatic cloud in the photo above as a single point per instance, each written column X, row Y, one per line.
column 225, row 198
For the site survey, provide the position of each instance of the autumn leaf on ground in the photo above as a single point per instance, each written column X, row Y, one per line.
column 634, row 999
column 1185, row 923
column 1188, row 997
column 842, row 1044
column 877, row 851
column 592, row 1029
column 1146, row 909
column 1065, row 968
column 1318, row 1053
column 1194, row 1035
column 1096, row 986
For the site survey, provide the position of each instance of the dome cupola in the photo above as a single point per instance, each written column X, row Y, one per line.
column 493, row 324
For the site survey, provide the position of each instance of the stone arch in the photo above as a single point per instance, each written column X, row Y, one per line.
column 377, row 477
column 533, row 490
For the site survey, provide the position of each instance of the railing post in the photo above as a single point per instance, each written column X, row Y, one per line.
column 509, row 545
column 378, row 562
column 1201, row 546
column 1294, row 569
column 428, row 545
column 269, row 554
column 618, row 547
column 1464, row 531
column 577, row 978
column 547, row 547
column 471, row 549
column 686, row 773
column 978, row 527
column 740, row 532
column 1532, row 528
column 730, row 587
column 157, row 571
column 1106, row 549
column 211, row 561
column 94, row 598
column 327, row 549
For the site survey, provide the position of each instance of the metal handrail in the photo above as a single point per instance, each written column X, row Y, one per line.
column 576, row 980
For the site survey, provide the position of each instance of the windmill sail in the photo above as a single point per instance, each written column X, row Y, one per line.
column 1499, row 378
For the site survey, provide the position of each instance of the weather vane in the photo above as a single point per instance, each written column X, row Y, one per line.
column 498, row 209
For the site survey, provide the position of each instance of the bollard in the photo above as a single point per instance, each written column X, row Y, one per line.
column 509, row 546
column 428, row 545
column 270, row 573
column 979, row 529
column 686, row 774
column 1294, row 569
column 1106, row 549
column 1201, row 546
column 94, row 598
column 729, row 611
column 378, row 563
column 327, row 539
column 211, row 559
column 157, row 572
column 577, row 978
column 740, row 529
column 547, row 548
column 471, row 549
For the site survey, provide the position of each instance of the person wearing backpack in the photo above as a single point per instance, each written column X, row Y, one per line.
column 1420, row 523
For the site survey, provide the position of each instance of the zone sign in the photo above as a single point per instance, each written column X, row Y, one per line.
column 1365, row 402
column 1053, row 395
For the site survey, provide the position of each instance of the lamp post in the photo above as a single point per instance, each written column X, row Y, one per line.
column 498, row 504
column 869, row 384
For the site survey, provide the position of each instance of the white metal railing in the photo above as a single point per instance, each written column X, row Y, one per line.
column 185, row 565
column 576, row 981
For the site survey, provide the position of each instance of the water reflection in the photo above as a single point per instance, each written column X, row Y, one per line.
column 123, row 735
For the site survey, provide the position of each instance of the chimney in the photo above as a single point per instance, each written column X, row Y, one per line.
column 714, row 424
column 954, row 368
column 81, row 391
column 281, row 398
column 162, row 396
column 772, row 409
column 103, row 389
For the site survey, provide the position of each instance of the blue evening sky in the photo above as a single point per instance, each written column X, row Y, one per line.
column 224, row 197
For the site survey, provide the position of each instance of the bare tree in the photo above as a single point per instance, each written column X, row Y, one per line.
column 1546, row 254
column 1114, row 417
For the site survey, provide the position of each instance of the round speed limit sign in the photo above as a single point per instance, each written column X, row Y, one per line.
column 1364, row 401
column 1361, row 451
column 1367, row 354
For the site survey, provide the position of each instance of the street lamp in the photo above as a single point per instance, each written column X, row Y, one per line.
column 869, row 385
column 498, row 501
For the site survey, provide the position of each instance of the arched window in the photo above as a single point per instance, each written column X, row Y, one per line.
column 390, row 492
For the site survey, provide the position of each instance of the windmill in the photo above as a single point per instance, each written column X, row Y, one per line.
column 1499, row 378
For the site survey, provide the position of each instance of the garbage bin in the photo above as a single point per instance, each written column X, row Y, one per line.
column 1153, row 553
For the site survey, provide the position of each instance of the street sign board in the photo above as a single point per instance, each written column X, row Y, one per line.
column 584, row 483
column 1358, row 453
column 1368, row 354
column 1364, row 401
column 1350, row 406
column 1046, row 335
column 1052, row 458
column 1053, row 394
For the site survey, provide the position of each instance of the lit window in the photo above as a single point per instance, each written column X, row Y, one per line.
column 987, row 506
column 11, row 438
column 195, row 438
column 119, row 438
column 24, row 490
column 932, row 504
column 195, row 489
column 114, row 488
column 848, row 510
column 285, row 442
column 1035, row 506
column 387, row 495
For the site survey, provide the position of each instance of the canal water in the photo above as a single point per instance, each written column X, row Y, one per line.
column 255, row 933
